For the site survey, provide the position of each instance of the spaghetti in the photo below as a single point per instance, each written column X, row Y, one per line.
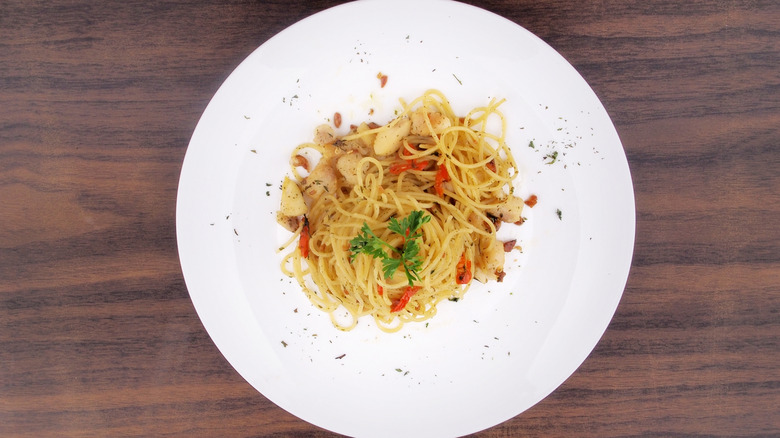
column 394, row 219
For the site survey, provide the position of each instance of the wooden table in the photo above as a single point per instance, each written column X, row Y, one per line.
column 98, row 100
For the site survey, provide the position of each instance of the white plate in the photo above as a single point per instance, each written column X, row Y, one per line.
column 480, row 361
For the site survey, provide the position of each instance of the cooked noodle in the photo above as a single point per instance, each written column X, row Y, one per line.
column 465, row 206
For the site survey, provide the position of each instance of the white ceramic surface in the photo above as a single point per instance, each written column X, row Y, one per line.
column 480, row 361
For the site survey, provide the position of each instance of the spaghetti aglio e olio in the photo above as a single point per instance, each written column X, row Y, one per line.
column 394, row 219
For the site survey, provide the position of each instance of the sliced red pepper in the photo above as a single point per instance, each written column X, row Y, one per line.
column 303, row 242
column 398, row 168
column 441, row 176
column 421, row 165
column 404, row 300
column 382, row 79
column 380, row 290
column 531, row 201
column 405, row 151
column 463, row 270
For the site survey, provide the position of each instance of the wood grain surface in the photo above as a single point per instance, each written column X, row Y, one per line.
column 98, row 100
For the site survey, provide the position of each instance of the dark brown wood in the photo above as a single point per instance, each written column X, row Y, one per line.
column 98, row 100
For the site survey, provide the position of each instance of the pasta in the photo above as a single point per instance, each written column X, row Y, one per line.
column 394, row 219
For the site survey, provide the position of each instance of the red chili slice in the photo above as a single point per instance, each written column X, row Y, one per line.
column 404, row 300
column 463, row 270
column 441, row 176
column 382, row 80
column 405, row 151
column 398, row 168
column 303, row 242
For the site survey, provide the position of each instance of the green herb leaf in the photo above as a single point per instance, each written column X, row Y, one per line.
column 409, row 225
column 412, row 262
column 366, row 242
column 390, row 265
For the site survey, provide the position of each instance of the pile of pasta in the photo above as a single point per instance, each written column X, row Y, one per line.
column 393, row 219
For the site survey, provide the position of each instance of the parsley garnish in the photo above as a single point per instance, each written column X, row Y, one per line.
column 367, row 242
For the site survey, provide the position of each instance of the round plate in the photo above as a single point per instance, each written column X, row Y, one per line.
column 479, row 361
